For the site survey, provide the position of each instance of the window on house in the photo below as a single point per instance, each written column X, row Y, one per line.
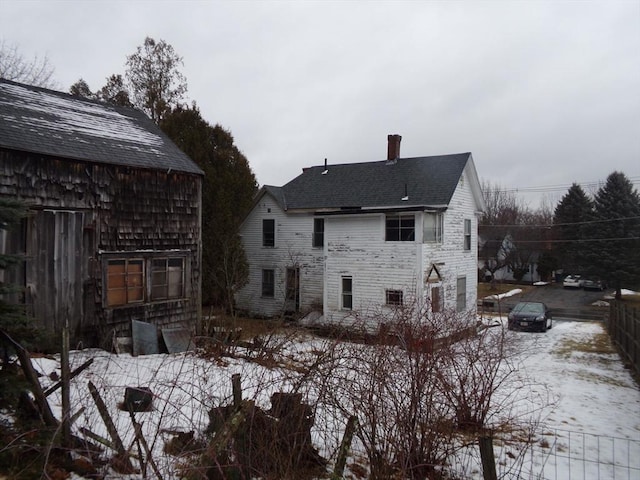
column 433, row 225
column 268, row 283
column 268, row 233
column 393, row 297
column 318, row 232
column 167, row 278
column 125, row 281
column 400, row 228
column 467, row 234
column 436, row 299
column 461, row 294
column 347, row 293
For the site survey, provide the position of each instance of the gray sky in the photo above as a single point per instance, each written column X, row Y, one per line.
column 542, row 93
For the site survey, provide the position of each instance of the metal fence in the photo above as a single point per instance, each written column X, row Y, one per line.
column 570, row 455
column 624, row 328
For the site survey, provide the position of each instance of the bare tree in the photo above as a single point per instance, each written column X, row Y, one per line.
column 14, row 66
column 156, row 84
column 501, row 214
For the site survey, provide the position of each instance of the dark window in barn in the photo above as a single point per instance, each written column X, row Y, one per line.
column 167, row 278
column 268, row 283
column 400, row 228
column 268, row 233
column 125, row 281
column 318, row 232
column 436, row 299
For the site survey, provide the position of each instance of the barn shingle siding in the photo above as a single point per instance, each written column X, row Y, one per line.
column 84, row 212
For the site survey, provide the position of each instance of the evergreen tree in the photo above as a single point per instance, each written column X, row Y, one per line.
column 614, row 246
column 13, row 320
column 81, row 89
column 570, row 228
column 227, row 195
column 115, row 92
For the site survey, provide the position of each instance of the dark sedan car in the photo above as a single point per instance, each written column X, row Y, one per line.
column 594, row 284
column 530, row 316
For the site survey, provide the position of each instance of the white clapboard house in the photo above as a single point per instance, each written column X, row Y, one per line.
column 358, row 237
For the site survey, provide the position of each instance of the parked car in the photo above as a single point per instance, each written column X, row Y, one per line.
column 572, row 281
column 594, row 284
column 530, row 316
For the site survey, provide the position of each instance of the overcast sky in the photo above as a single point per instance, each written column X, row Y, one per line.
column 543, row 93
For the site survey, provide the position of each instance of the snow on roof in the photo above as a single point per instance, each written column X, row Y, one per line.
column 58, row 124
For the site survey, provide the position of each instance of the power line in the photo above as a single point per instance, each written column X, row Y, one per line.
column 551, row 225
column 578, row 240
column 635, row 180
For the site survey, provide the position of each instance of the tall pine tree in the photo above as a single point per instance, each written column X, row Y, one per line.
column 570, row 229
column 614, row 246
column 227, row 195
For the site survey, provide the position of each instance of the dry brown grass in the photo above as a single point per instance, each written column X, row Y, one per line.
column 486, row 289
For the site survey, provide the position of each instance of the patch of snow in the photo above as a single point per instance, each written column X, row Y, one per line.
column 540, row 284
column 510, row 293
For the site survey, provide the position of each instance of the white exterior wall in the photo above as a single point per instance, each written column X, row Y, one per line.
column 450, row 257
column 293, row 248
column 356, row 247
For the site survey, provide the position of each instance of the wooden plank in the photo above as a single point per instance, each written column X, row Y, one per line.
column 111, row 428
column 32, row 377
column 74, row 374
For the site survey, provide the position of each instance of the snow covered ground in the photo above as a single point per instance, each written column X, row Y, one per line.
column 590, row 405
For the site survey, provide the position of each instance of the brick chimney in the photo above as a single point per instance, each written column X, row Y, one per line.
column 393, row 147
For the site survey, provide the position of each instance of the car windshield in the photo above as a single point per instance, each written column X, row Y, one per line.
column 529, row 308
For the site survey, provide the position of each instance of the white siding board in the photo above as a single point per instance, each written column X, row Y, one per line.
column 293, row 236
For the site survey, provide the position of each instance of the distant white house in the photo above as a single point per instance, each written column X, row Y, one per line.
column 347, row 238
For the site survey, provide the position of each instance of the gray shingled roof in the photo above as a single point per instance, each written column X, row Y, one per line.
column 52, row 123
column 429, row 181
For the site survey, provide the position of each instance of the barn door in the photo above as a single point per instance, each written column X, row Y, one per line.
column 55, row 268
column 292, row 300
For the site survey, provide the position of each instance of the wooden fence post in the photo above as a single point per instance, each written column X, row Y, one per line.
column 488, row 459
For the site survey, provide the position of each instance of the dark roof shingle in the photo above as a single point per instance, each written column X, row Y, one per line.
column 53, row 123
column 426, row 181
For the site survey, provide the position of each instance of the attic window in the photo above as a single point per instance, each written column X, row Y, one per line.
column 268, row 232
column 400, row 228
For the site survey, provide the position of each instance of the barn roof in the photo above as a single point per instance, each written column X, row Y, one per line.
column 404, row 182
column 53, row 123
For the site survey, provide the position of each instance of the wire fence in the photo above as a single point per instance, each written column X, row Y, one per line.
column 624, row 328
column 570, row 455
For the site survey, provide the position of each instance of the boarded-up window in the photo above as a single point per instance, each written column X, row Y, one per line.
column 167, row 278
column 125, row 281
column 436, row 299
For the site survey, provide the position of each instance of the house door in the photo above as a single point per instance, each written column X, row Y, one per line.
column 292, row 300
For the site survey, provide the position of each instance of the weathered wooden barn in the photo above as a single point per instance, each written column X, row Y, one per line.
column 113, row 232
